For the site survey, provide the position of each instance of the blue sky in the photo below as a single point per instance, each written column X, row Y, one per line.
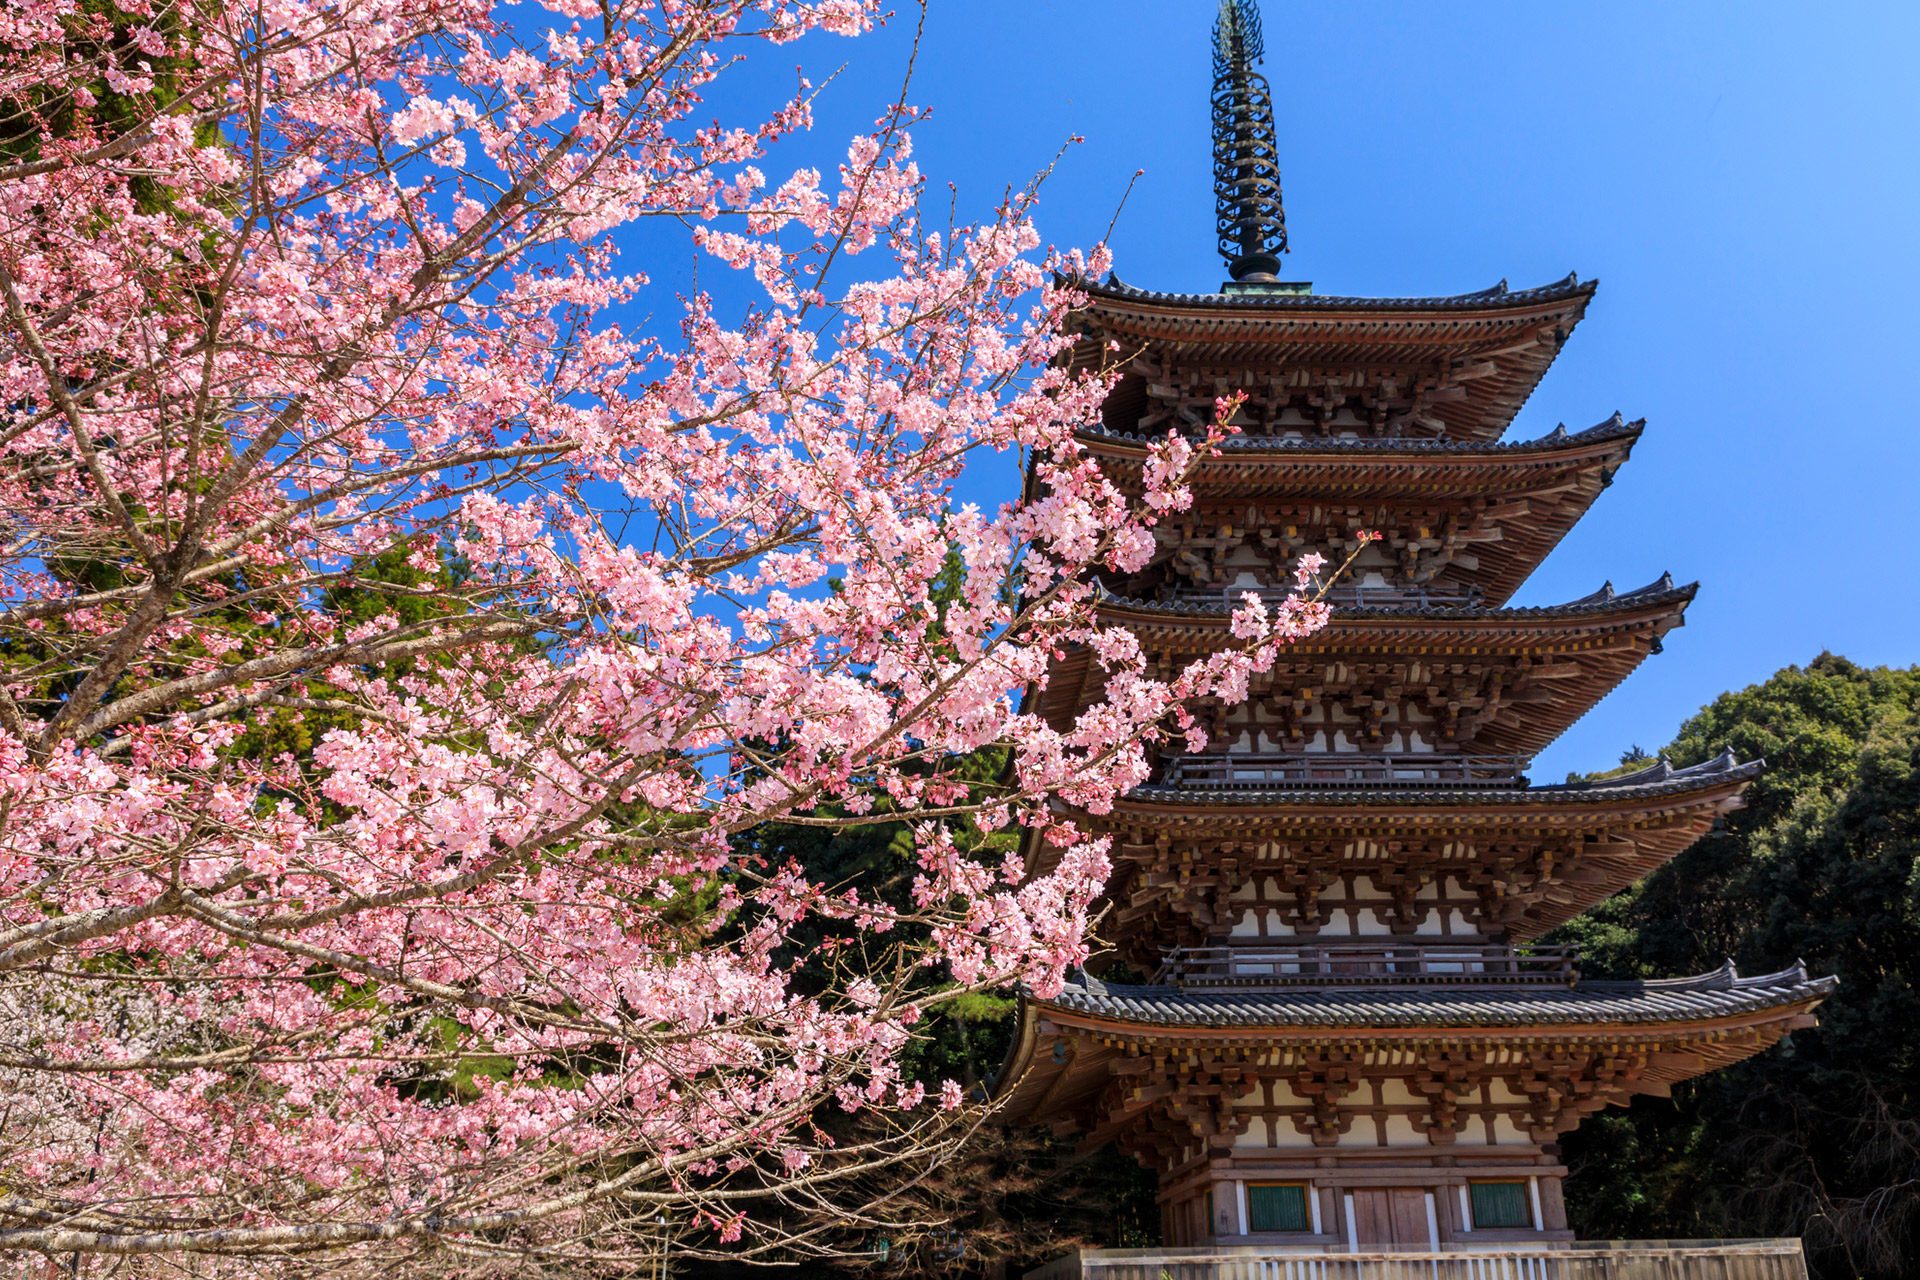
column 1744, row 180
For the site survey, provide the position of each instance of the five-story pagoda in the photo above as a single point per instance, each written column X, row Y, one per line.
column 1348, row 1043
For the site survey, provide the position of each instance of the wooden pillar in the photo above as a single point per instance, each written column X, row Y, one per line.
column 1553, row 1204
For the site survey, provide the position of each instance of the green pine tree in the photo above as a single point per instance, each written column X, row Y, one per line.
column 1821, row 1136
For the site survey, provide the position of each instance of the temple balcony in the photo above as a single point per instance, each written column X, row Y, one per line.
column 1582, row 1260
column 1367, row 964
column 1344, row 595
column 1252, row 770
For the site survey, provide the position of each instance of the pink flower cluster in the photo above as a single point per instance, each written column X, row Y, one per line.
column 404, row 655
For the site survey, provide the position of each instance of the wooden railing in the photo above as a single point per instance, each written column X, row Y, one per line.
column 1620, row 1260
column 1341, row 769
column 1344, row 595
column 1369, row 964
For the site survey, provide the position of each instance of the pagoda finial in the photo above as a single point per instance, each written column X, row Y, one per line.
column 1246, row 158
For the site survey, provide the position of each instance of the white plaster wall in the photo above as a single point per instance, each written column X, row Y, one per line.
column 1365, row 923
column 1394, row 1092
column 1401, row 1131
column 1505, row 1130
column 1248, row 924
column 1275, row 1132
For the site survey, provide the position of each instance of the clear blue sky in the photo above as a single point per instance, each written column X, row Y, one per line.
column 1744, row 180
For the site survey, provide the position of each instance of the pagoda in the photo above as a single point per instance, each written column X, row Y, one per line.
column 1341, row 1037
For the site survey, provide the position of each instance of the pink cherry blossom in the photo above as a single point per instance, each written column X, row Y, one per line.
column 407, row 638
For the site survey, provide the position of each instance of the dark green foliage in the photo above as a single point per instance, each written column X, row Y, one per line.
column 388, row 584
column 962, row 1039
column 1010, row 1194
column 1821, row 1136
column 99, row 35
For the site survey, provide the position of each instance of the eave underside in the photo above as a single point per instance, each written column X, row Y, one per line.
column 1102, row 1065
column 1536, row 857
column 1498, row 681
column 1469, row 365
column 1481, row 518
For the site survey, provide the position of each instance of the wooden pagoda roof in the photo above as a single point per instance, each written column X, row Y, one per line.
column 1562, row 659
column 1318, row 805
column 1097, row 1058
column 1719, row 994
column 1612, row 831
column 1491, row 346
column 1604, row 606
column 1527, row 495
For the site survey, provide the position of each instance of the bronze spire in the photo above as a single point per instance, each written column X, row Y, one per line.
column 1246, row 162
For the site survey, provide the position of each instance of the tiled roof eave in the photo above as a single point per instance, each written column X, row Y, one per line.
column 1497, row 299
column 1221, row 611
column 1700, row 778
column 1304, row 449
column 1706, row 999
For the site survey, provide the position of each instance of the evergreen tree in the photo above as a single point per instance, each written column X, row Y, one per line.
column 1821, row 1136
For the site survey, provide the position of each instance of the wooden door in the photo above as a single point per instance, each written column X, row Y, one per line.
column 1390, row 1218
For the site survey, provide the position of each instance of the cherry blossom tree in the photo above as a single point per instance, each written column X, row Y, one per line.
column 402, row 626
